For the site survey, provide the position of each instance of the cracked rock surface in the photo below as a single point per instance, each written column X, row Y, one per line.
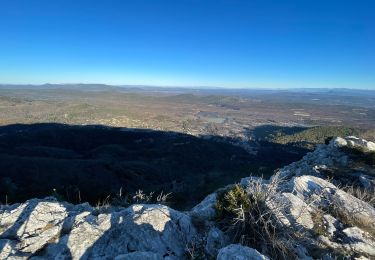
column 40, row 229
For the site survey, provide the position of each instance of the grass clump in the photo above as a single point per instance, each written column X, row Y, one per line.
column 318, row 219
column 245, row 215
column 127, row 199
column 196, row 250
column 366, row 195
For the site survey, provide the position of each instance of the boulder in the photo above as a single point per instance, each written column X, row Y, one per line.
column 238, row 252
column 290, row 210
column 7, row 248
column 139, row 256
column 339, row 142
column 206, row 208
column 216, row 240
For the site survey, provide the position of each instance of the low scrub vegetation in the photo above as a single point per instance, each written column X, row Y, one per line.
column 309, row 137
column 246, row 216
column 139, row 197
column 366, row 195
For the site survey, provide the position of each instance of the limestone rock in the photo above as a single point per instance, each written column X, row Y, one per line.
column 324, row 194
column 356, row 241
column 206, row 208
column 360, row 241
column 358, row 142
column 216, row 240
column 290, row 210
column 331, row 224
column 339, row 142
column 34, row 223
column 139, row 256
column 238, row 252
column 41, row 229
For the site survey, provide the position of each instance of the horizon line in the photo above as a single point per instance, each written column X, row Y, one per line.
column 187, row 86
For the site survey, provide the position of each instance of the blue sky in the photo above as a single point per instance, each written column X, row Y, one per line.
column 224, row 43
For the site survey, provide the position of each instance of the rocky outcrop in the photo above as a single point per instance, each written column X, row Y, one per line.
column 353, row 141
column 323, row 194
column 50, row 229
column 332, row 161
column 316, row 162
column 329, row 221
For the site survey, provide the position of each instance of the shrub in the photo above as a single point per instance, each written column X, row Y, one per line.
column 317, row 217
column 229, row 202
column 244, row 214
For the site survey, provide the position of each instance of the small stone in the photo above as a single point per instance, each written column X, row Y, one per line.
column 238, row 252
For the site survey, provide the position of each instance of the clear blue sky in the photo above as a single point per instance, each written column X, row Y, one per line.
column 227, row 43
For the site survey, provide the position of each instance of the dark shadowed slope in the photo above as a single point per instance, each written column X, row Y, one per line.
column 88, row 163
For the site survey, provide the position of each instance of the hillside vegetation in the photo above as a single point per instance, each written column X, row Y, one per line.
column 310, row 137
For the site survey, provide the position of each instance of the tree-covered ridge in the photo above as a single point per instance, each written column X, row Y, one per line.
column 310, row 137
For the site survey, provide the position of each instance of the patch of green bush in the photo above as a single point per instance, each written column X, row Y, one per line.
column 245, row 216
column 312, row 136
column 228, row 202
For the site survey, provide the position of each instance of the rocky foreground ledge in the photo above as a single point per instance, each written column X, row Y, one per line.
column 325, row 221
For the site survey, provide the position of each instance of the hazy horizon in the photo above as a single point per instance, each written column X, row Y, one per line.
column 185, row 87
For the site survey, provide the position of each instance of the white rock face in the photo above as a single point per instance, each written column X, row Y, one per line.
column 330, row 224
column 355, row 141
column 324, row 193
column 356, row 241
column 60, row 230
column 290, row 210
column 339, row 142
column 316, row 162
column 238, row 252
column 360, row 241
column 35, row 223
column 206, row 208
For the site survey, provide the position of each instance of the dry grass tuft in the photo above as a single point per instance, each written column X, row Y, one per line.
column 245, row 216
